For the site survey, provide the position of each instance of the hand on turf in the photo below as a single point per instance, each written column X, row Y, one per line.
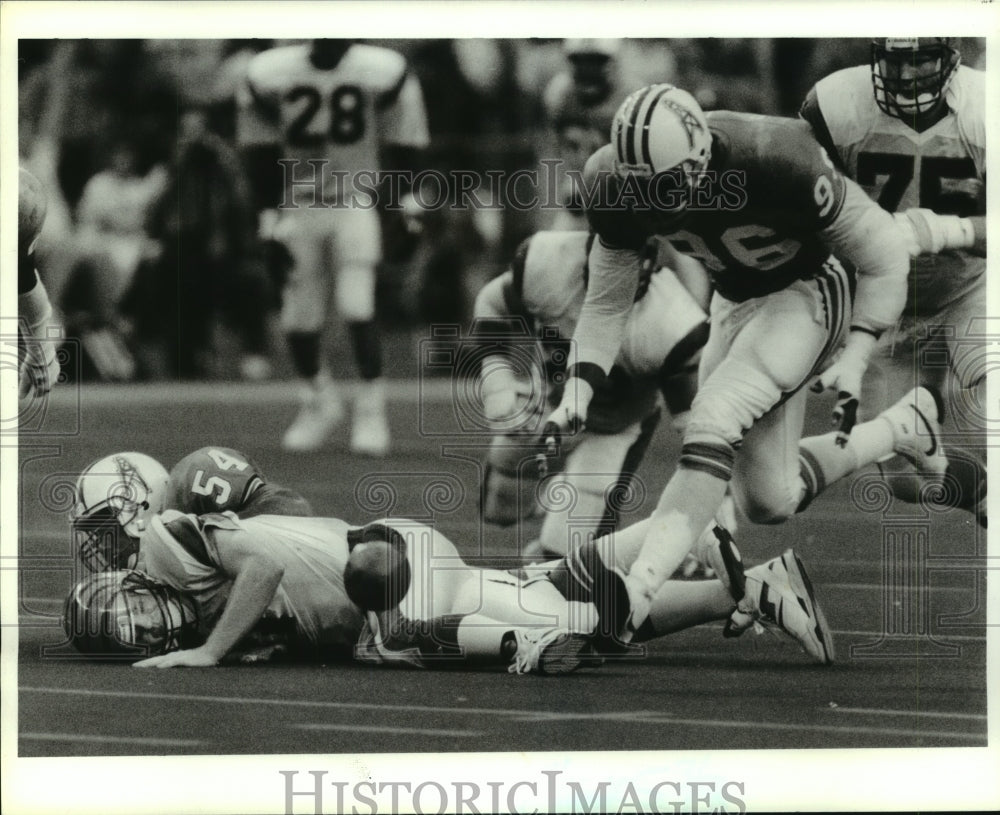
column 192, row 658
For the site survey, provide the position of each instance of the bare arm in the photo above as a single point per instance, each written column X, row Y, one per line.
column 256, row 576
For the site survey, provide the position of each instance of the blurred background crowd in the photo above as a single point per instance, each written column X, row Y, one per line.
column 151, row 248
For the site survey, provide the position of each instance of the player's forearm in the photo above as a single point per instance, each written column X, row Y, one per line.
column 253, row 589
column 866, row 237
column 610, row 294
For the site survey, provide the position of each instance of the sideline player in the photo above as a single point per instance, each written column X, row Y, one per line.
column 336, row 111
column 917, row 144
column 40, row 367
column 541, row 294
column 118, row 495
column 759, row 203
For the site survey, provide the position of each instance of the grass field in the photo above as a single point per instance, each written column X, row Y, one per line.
column 926, row 686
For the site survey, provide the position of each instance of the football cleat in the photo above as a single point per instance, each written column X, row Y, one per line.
column 320, row 413
column 549, row 651
column 779, row 593
column 716, row 553
column 916, row 428
column 370, row 432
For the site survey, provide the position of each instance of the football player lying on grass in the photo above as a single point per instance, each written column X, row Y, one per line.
column 116, row 496
column 398, row 592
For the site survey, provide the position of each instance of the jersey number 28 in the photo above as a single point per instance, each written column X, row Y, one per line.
column 346, row 116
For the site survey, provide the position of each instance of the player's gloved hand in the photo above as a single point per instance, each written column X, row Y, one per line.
column 191, row 658
column 39, row 371
column 569, row 418
column 844, row 376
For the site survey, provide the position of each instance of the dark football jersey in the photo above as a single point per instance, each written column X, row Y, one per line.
column 754, row 222
column 213, row 479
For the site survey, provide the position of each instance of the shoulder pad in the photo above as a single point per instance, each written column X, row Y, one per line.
column 384, row 68
column 847, row 102
column 268, row 68
column 553, row 270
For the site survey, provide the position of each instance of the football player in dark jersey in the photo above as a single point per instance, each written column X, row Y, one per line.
column 910, row 128
column 116, row 496
column 762, row 206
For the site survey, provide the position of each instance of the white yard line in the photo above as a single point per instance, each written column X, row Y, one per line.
column 403, row 731
column 639, row 716
column 925, row 714
column 95, row 739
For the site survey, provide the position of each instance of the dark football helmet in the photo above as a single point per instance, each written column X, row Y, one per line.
column 910, row 75
column 128, row 614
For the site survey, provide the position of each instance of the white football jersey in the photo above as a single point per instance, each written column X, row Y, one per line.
column 554, row 287
column 942, row 169
column 341, row 115
column 313, row 552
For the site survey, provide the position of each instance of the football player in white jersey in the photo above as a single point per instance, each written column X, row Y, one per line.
column 910, row 129
column 541, row 296
column 435, row 610
column 40, row 367
column 292, row 583
column 338, row 113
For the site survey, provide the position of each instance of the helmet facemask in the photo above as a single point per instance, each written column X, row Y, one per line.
column 910, row 76
column 127, row 614
column 114, row 504
column 102, row 542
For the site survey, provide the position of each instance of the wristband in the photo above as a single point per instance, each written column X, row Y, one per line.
column 958, row 232
column 590, row 372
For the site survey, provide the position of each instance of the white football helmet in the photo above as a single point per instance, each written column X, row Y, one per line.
column 129, row 614
column 115, row 498
column 660, row 134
